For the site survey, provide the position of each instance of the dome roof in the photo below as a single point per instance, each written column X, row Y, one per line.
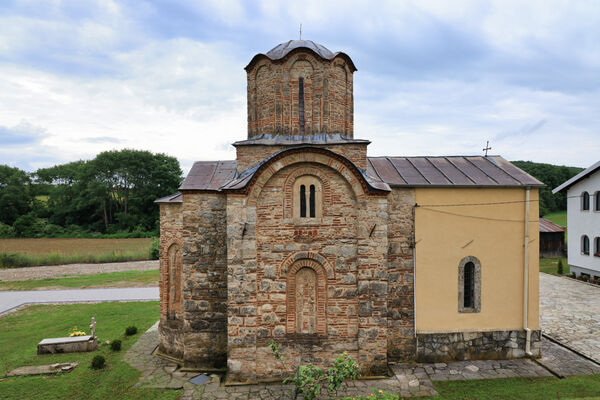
column 283, row 49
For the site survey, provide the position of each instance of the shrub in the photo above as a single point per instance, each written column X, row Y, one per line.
column 98, row 362
column 130, row 330
column 115, row 345
column 155, row 249
column 14, row 260
column 559, row 269
column 6, row 231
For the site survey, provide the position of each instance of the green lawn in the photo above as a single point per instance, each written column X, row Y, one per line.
column 559, row 218
column 112, row 279
column 549, row 266
column 20, row 333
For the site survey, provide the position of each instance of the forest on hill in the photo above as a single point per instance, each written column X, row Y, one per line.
column 552, row 176
column 111, row 195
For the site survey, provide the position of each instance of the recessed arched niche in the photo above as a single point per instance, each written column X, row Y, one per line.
column 306, row 298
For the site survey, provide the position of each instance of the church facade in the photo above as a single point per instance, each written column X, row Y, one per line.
column 305, row 241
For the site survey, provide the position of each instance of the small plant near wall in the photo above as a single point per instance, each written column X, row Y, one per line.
column 98, row 362
column 309, row 379
column 130, row 330
column 560, row 267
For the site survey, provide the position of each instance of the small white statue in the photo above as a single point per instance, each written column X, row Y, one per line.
column 93, row 326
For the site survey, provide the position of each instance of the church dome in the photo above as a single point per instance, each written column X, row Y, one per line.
column 283, row 49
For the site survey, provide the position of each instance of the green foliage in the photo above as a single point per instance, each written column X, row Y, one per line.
column 6, row 231
column 309, row 379
column 344, row 367
column 552, row 176
column 559, row 269
column 375, row 395
column 131, row 330
column 115, row 345
column 28, row 225
column 14, row 260
column 98, row 362
column 155, row 249
column 20, row 260
column 15, row 194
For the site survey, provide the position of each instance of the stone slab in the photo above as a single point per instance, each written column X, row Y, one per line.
column 71, row 339
column 43, row 369
column 74, row 344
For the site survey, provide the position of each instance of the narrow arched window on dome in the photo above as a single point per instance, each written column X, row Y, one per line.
column 302, row 201
column 301, row 104
column 311, row 201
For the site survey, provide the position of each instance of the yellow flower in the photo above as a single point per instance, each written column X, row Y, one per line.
column 380, row 391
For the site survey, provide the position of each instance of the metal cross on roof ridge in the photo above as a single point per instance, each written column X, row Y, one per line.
column 487, row 147
column 300, row 30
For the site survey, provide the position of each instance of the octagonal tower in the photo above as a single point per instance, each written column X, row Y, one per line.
column 300, row 88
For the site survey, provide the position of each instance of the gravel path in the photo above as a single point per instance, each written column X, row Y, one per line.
column 58, row 271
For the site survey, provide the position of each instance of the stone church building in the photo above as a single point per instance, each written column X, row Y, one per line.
column 306, row 241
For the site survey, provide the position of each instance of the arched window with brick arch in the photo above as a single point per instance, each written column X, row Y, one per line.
column 306, row 299
column 174, row 303
column 308, row 198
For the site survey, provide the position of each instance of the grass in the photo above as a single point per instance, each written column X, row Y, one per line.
column 20, row 333
column 582, row 386
column 112, row 279
column 550, row 265
column 559, row 218
column 15, row 253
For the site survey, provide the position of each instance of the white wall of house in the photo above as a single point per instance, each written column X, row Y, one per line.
column 581, row 223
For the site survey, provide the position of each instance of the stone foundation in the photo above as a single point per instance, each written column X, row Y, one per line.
column 170, row 339
column 498, row 345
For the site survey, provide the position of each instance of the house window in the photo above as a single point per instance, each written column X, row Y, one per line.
column 307, row 198
column 301, row 104
column 585, row 201
column 469, row 285
column 597, row 247
column 585, row 245
column 597, row 202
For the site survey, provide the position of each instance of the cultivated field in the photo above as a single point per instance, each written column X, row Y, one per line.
column 30, row 252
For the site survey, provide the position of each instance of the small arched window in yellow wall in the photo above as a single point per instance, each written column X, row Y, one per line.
column 469, row 285
column 308, row 201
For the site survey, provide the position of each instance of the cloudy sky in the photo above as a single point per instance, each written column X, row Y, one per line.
column 434, row 77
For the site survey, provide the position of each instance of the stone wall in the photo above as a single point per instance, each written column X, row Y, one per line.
column 273, row 96
column 170, row 332
column 401, row 315
column 439, row 347
column 250, row 155
column 334, row 265
column 205, row 280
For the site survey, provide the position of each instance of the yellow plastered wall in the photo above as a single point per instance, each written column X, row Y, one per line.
column 444, row 235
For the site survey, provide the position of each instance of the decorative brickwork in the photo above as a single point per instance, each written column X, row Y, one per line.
column 274, row 96
column 439, row 347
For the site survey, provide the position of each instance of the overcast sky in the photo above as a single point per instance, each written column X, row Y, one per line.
column 434, row 78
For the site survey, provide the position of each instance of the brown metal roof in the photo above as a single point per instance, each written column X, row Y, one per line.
column 172, row 198
column 491, row 171
column 549, row 226
column 209, row 175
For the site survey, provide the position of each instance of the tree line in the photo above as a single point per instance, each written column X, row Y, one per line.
column 552, row 176
column 112, row 194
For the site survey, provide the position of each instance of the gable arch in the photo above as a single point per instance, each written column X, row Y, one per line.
column 297, row 155
column 286, row 265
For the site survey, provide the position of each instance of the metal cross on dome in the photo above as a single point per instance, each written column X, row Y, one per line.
column 301, row 31
column 487, row 147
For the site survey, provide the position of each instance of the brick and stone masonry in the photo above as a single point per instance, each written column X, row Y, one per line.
column 241, row 266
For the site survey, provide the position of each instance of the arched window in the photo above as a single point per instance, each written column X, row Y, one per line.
column 308, row 202
column 597, row 247
column 585, row 245
column 597, row 202
column 301, row 104
column 469, row 285
column 585, row 201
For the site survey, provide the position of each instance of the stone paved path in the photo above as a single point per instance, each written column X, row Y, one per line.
column 14, row 299
column 408, row 380
column 570, row 313
column 58, row 271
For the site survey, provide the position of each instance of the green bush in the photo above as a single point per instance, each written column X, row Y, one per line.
column 14, row 260
column 6, row 231
column 560, row 267
column 130, row 330
column 98, row 362
column 115, row 345
column 29, row 226
column 155, row 249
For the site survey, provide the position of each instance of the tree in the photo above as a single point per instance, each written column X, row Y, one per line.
column 15, row 196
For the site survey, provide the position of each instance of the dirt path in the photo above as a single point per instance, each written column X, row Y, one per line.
column 58, row 271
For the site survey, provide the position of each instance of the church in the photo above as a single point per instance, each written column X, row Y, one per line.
column 305, row 241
